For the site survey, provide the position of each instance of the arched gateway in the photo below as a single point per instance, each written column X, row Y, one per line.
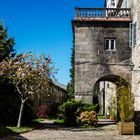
column 102, row 52
column 105, row 92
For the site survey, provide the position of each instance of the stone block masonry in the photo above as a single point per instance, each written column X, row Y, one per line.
column 93, row 61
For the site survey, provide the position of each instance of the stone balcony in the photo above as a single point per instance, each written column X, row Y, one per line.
column 102, row 14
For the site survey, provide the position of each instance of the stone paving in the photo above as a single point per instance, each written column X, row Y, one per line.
column 52, row 132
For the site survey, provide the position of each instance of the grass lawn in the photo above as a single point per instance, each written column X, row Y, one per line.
column 38, row 120
column 101, row 117
column 57, row 120
column 20, row 130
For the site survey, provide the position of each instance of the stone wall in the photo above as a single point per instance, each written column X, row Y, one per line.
column 135, row 85
column 92, row 61
column 135, row 9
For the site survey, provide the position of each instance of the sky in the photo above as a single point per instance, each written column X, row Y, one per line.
column 44, row 26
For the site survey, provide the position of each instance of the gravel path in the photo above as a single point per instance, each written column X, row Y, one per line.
column 52, row 132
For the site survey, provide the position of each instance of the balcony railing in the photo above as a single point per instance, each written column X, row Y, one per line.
column 102, row 13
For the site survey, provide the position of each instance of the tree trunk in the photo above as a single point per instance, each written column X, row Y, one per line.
column 20, row 113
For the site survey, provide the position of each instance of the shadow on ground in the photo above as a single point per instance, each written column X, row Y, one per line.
column 4, row 131
column 107, row 124
column 50, row 125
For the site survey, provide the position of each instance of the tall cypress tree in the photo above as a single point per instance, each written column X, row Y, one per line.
column 6, row 44
column 70, row 86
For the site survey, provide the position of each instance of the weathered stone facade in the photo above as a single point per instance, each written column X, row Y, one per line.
column 135, row 11
column 92, row 62
column 135, row 85
column 135, row 6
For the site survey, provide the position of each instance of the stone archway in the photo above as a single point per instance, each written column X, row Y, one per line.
column 105, row 93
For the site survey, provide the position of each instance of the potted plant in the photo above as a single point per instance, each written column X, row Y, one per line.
column 125, row 110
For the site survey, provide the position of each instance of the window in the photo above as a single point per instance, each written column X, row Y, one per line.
column 133, row 35
column 110, row 44
column 113, row 3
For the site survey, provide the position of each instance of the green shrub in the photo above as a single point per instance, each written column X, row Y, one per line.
column 54, row 109
column 88, row 107
column 70, row 110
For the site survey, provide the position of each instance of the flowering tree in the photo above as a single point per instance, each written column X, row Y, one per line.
column 29, row 75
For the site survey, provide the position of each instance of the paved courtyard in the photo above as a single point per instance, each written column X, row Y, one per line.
column 47, row 134
column 52, row 132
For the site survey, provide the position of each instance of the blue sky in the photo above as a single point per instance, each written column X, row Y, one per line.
column 44, row 26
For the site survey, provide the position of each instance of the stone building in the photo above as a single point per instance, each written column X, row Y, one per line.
column 135, row 45
column 56, row 93
column 107, row 48
column 102, row 52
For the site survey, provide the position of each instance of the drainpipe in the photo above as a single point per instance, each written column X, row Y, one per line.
column 104, row 99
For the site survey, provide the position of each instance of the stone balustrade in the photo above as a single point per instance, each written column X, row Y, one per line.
column 102, row 13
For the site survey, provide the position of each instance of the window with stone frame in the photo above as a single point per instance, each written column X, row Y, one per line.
column 110, row 44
